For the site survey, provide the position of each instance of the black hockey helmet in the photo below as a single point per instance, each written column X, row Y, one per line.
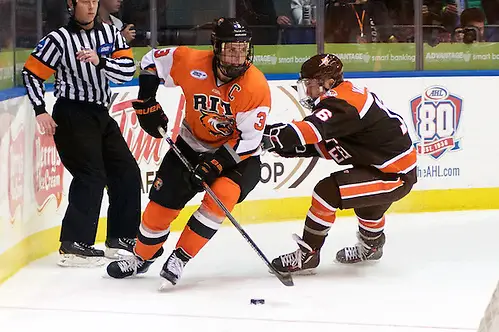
column 231, row 30
column 321, row 68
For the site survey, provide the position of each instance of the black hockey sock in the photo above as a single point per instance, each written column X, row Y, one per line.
column 373, row 239
column 369, row 235
column 314, row 234
column 182, row 255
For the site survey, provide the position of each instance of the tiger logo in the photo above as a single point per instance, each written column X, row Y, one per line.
column 217, row 124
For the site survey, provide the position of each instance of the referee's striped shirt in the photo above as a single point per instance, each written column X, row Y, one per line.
column 76, row 80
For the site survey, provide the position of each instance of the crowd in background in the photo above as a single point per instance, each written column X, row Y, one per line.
column 273, row 21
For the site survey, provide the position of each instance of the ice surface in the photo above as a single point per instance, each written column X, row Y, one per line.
column 438, row 273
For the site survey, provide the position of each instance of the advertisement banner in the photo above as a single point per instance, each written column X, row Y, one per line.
column 450, row 121
column 374, row 57
column 276, row 59
column 6, row 69
column 460, row 56
column 48, row 171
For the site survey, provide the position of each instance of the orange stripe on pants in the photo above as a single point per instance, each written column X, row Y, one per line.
column 401, row 164
column 369, row 188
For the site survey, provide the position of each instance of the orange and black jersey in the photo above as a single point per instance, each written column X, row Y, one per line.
column 216, row 113
column 76, row 80
column 352, row 126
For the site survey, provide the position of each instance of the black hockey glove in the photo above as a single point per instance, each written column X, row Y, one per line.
column 151, row 116
column 299, row 151
column 211, row 166
column 278, row 137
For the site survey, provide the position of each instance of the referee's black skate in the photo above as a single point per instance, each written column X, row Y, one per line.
column 79, row 254
column 118, row 248
column 302, row 261
column 367, row 249
column 131, row 265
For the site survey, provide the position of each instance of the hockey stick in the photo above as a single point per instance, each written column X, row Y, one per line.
column 286, row 279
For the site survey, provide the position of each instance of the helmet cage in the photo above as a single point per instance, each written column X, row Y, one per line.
column 302, row 87
column 231, row 30
column 227, row 69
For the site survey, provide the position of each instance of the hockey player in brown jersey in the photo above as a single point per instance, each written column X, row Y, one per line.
column 227, row 103
column 351, row 126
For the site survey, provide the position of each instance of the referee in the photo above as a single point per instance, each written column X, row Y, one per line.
column 85, row 55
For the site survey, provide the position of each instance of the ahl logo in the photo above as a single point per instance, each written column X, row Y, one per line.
column 200, row 75
column 436, row 115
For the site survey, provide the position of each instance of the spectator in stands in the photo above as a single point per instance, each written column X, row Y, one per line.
column 437, row 13
column 440, row 12
column 302, row 12
column 262, row 19
column 473, row 4
column 364, row 21
column 472, row 26
column 303, row 19
column 401, row 13
column 109, row 7
column 138, row 12
column 54, row 15
column 491, row 9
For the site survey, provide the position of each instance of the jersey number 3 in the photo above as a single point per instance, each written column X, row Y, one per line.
column 262, row 116
column 162, row 52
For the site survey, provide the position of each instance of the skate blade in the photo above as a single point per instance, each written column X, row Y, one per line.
column 306, row 272
column 366, row 262
column 165, row 286
column 70, row 260
column 116, row 254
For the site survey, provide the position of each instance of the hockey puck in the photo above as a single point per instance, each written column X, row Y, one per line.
column 257, row 301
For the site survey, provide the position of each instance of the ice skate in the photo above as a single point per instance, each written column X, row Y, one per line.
column 79, row 254
column 131, row 266
column 302, row 261
column 119, row 248
column 366, row 249
column 173, row 268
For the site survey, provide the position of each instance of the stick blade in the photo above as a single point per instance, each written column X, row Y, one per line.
column 287, row 281
column 285, row 278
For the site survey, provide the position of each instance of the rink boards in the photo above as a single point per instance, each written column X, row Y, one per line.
column 452, row 121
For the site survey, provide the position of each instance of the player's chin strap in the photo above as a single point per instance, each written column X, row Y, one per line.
column 284, row 278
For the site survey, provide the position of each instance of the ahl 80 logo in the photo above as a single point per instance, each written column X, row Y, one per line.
column 436, row 115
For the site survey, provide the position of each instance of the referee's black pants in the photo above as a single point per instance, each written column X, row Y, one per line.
column 93, row 150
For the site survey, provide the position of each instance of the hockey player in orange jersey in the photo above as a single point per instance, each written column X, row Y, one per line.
column 351, row 126
column 227, row 103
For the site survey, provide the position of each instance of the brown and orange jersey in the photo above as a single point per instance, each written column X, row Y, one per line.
column 352, row 126
column 233, row 113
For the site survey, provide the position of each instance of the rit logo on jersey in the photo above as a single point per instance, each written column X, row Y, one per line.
column 215, row 115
